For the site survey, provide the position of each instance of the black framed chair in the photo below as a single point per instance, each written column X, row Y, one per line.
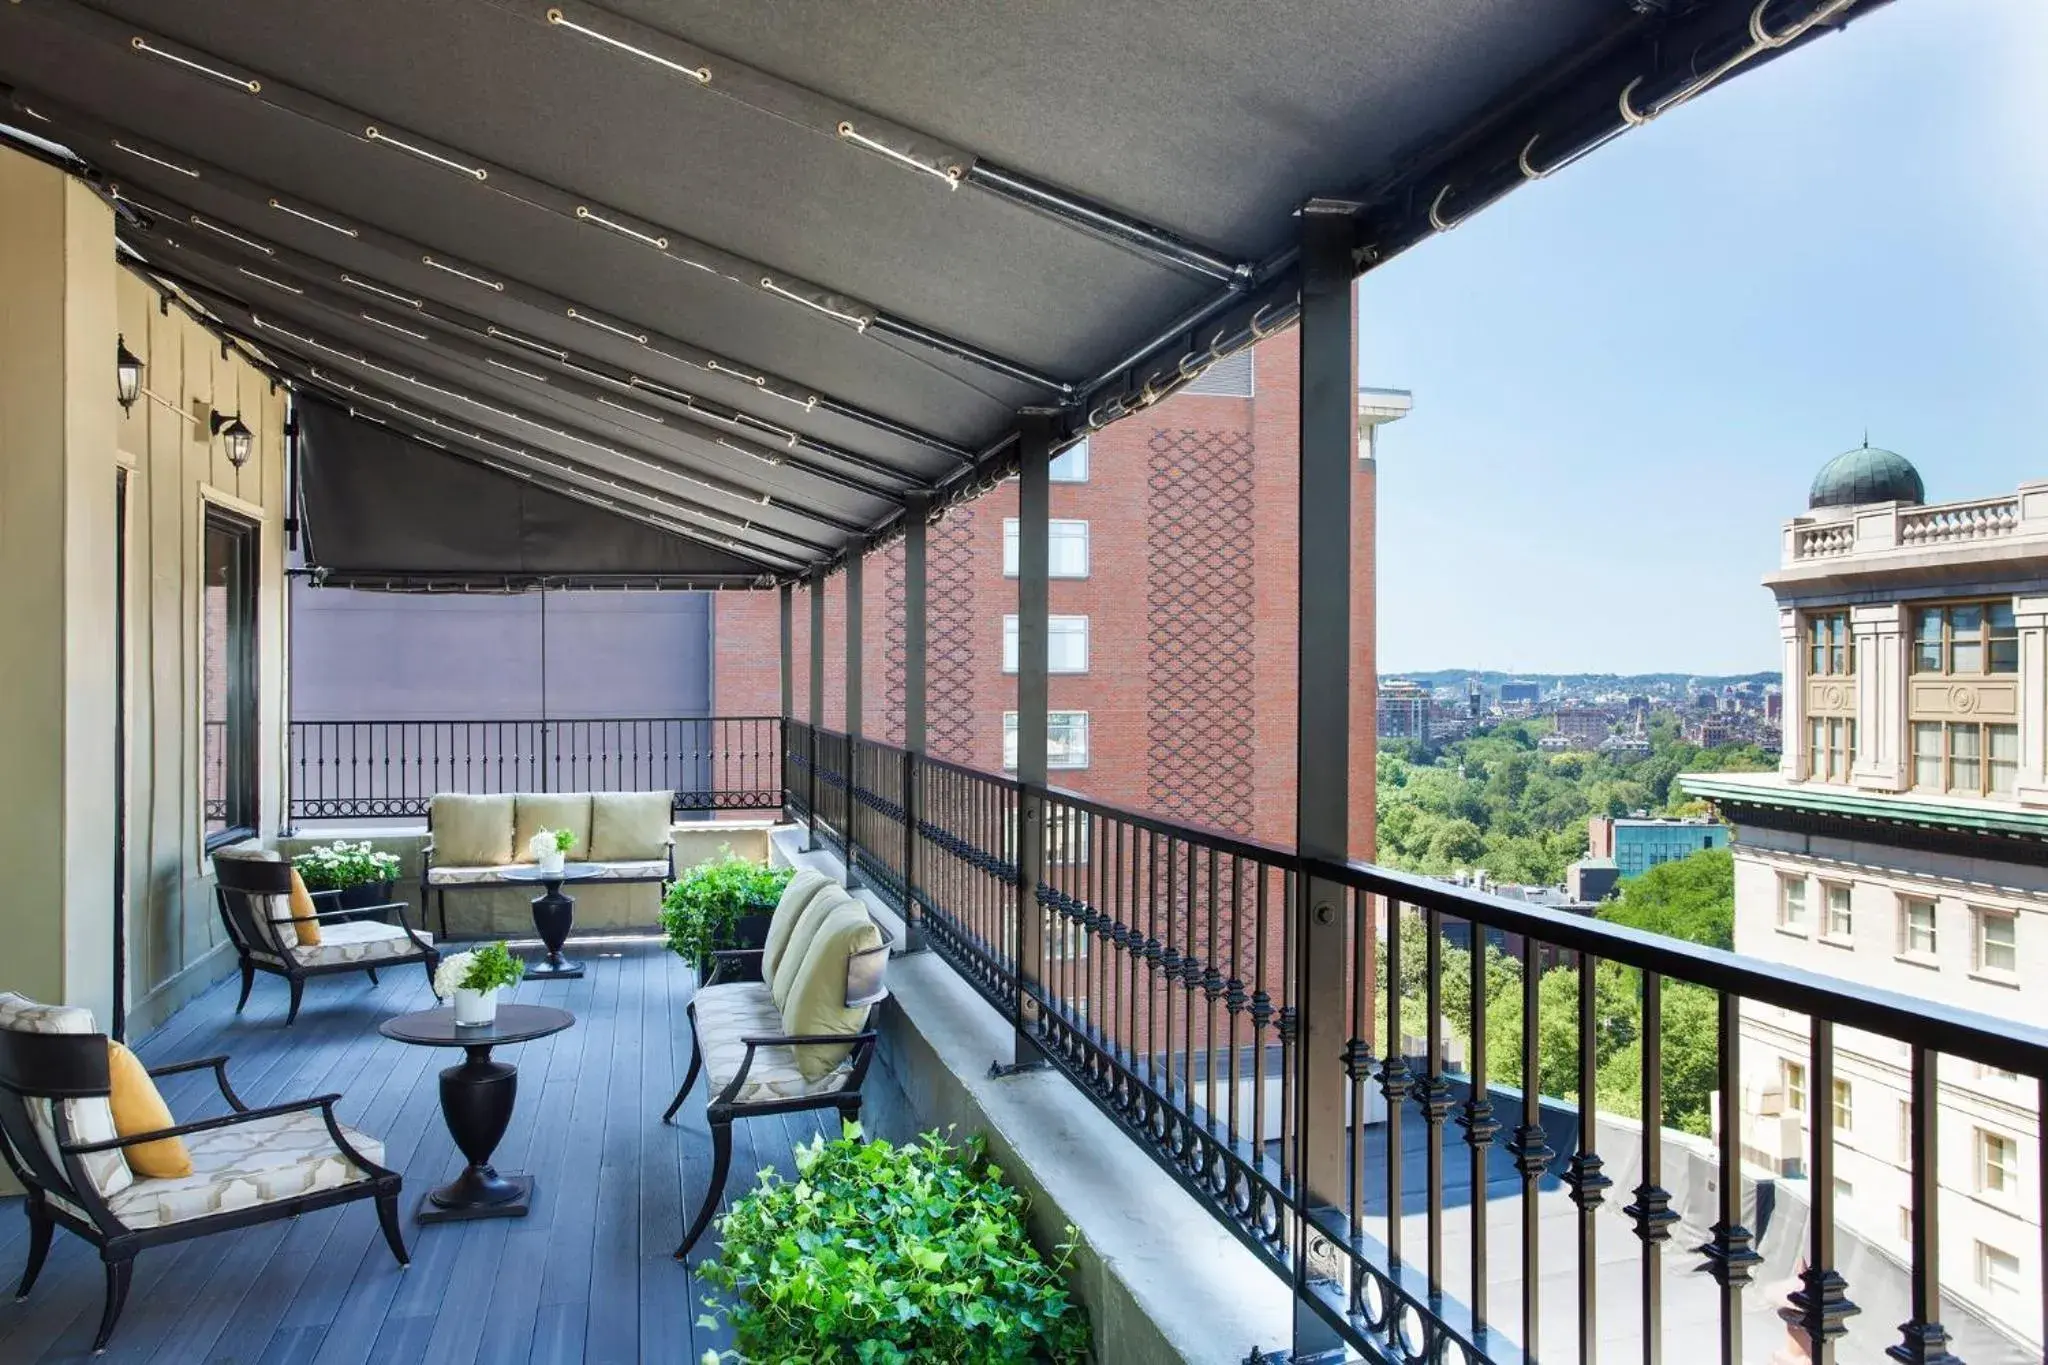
column 798, row 1039
column 254, row 895
column 249, row 1166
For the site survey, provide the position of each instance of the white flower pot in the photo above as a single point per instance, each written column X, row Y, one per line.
column 474, row 1009
column 551, row 863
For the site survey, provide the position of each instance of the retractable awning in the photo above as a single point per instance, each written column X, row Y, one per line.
column 764, row 275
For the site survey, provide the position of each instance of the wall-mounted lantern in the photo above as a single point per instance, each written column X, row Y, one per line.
column 127, row 373
column 236, row 436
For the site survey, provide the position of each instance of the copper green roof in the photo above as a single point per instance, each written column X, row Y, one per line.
column 1983, row 817
column 1866, row 474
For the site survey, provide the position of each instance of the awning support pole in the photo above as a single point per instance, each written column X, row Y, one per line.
column 1034, row 556
column 849, row 841
column 785, row 638
column 1325, row 915
column 917, row 512
column 817, row 666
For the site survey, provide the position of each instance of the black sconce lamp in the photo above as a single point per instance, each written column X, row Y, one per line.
column 127, row 373
column 237, row 437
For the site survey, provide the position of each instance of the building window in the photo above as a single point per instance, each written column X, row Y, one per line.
column 228, row 680
column 1066, row 644
column 1841, row 915
column 1998, row 1272
column 1967, row 639
column 1916, row 927
column 1071, row 464
column 1830, row 648
column 1068, row 551
column 1830, row 748
column 1905, row 1132
column 1845, row 1107
column 1066, row 739
column 1998, row 1164
column 1845, row 1192
column 1792, row 1077
column 1997, row 941
column 1792, row 902
column 1905, row 1223
column 1966, row 757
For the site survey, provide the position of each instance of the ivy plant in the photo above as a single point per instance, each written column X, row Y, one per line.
column 885, row 1255
column 701, row 911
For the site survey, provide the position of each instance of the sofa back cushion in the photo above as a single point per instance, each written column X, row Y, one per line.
column 816, row 1002
column 533, row 812
column 833, row 897
column 471, row 831
column 265, row 908
column 629, row 827
column 806, row 884
column 92, row 1120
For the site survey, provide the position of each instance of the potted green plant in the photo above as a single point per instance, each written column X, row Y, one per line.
column 725, row 902
column 549, row 847
column 885, row 1253
column 474, row 979
column 354, row 872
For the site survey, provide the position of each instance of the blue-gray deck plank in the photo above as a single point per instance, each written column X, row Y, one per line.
column 587, row 1277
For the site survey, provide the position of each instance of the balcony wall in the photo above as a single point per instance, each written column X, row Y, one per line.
column 64, row 441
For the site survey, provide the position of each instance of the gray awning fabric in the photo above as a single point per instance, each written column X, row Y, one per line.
column 780, row 270
column 385, row 511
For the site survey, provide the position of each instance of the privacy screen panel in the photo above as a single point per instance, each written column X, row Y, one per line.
column 382, row 509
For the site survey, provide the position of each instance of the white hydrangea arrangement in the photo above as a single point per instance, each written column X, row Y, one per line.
column 487, row 968
column 343, row 863
column 550, row 841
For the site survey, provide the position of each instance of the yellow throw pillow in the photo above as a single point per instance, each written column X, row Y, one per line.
column 305, row 925
column 138, row 1108
column 816, row 1001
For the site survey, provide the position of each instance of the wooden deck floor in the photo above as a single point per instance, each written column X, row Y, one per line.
column 586, row 1277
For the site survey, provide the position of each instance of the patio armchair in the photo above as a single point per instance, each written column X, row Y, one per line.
column 248, row 1166
column 254, row 895
column 797, row 1039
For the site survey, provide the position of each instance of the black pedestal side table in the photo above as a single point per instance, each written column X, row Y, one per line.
column 553, row 913
column 476, row 1101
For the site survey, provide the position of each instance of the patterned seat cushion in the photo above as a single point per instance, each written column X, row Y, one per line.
column 259, row 1162
column 648, row 870
column 744, row 1009
column 363, row 940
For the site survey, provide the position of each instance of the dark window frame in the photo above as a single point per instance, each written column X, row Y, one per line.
column 238, row 806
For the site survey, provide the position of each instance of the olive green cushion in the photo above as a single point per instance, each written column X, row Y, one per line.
column 833, row 897
column 533, row 812
column 816, row 1001
column 629, row 827
column 806, row 884
column 471, row 831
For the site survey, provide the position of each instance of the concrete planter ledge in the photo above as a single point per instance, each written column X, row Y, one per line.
column 1162, row 1280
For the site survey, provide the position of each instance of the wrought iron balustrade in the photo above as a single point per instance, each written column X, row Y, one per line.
column 389, row 769
column 1354, row 1128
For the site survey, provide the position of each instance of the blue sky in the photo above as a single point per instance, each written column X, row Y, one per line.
column 1626, row 376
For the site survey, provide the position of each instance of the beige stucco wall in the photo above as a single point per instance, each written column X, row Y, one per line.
column 63, row 438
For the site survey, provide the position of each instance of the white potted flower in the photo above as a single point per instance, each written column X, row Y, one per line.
column 550, row 847
column 474, row 979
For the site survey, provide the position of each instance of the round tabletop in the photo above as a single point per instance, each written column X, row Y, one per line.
column 571, row 872
column 514, row 1024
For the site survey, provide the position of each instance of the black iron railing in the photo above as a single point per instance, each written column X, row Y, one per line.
column 389, row 769
column 1317, row 1106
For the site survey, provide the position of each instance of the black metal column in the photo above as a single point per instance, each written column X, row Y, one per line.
column 784, row 596
column 849, row 839
column 817, row 663
column 1034, row 556
column 1329, row 445
column 916, row 515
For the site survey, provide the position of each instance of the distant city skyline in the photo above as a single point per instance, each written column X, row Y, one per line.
column 1626, row 377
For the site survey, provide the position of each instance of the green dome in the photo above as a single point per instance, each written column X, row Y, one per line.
column 1865, row 474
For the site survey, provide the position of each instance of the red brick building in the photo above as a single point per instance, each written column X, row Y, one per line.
column 1173, row 602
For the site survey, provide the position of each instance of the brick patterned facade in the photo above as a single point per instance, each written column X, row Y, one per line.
column 1191, row 599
